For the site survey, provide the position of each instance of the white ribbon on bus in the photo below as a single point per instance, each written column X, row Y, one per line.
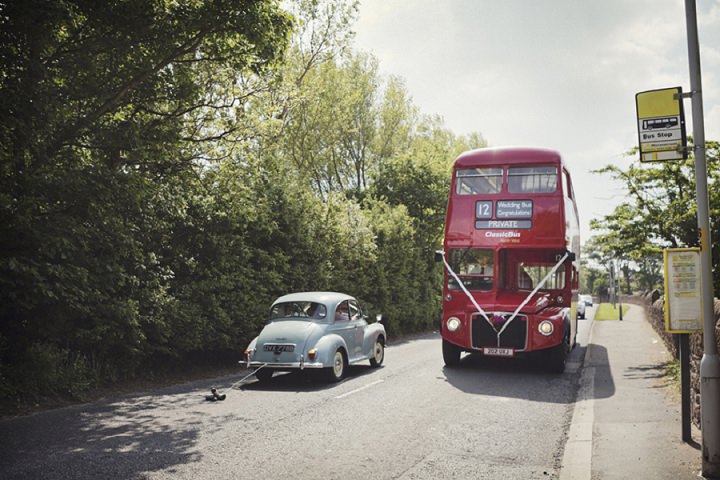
column 517, row 310
column 462, row 286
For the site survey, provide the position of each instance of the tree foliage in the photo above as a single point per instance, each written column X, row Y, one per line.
column 169, row 168
column 105, row 107
column 660, row 211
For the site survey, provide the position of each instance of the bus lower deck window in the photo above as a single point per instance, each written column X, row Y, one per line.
column 529, row 275
column 474, row 266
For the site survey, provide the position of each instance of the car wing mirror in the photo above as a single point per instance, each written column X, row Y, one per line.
column 378, row 317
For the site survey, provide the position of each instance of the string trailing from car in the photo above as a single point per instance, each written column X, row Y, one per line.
column 216, row 396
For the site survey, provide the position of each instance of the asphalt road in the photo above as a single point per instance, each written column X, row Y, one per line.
column 411, row 419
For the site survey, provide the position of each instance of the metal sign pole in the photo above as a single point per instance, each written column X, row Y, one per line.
column 685, row 416
column 710, row 363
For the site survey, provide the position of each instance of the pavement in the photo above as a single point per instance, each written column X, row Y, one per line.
column 627, row 419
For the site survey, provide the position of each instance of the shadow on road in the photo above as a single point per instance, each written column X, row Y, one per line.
column 303, row 381
column 123, row 439
column 526, row 378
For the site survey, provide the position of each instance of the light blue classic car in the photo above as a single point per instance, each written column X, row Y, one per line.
column 317, row 330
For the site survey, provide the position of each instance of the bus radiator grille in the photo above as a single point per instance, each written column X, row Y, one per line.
column 483, row 335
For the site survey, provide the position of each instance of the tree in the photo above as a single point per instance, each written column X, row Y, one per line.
column 104, row 108
column 660, row 212
column 169, row 168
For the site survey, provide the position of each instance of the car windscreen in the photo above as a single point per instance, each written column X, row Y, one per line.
column 308, row 310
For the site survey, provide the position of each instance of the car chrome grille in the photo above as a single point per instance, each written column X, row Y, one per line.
column 514, row 336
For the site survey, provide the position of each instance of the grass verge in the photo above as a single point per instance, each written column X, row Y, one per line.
column 605, row 311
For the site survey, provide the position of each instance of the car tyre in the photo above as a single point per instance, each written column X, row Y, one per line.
column 264, row 374
column 337, row 371
column 451, row 354
column 378, row 353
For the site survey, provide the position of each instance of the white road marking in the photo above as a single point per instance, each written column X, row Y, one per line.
column 364, row 387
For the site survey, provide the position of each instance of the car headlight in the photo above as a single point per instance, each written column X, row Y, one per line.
column 453, row 323
column 546, row 328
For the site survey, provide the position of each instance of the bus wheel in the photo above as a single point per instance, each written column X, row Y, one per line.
column 451, row 354
column 557, row 357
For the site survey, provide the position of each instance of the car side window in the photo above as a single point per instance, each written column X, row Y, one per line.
column 342, row 312
column 355, row 313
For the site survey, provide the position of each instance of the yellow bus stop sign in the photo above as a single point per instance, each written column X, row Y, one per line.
column 661, row 125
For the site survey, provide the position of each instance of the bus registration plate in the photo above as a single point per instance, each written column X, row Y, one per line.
column 498, row 352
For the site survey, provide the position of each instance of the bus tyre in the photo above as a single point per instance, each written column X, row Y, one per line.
column 451, row 354
column 557, row 357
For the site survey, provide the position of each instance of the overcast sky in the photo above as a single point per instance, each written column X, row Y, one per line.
column 554, row 73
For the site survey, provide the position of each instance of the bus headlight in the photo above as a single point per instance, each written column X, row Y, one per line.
column 453, row 324
column 546, row 328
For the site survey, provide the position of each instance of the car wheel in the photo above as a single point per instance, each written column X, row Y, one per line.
column 264, row 374
column 379, row 353
column 337, row 371
column 451, row 354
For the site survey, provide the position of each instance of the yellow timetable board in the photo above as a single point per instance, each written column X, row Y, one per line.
column 683, row 290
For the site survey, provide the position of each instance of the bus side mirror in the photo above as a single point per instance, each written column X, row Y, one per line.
column 570, row 257
column 439, row 256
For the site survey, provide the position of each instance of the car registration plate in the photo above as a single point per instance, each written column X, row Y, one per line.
column 278, row 348
column 499, row 352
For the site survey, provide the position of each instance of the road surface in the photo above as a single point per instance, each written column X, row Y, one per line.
column 411, row 419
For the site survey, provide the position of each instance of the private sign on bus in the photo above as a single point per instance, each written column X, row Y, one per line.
column 511, row 254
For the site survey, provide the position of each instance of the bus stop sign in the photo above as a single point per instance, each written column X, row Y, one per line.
column 661, row 125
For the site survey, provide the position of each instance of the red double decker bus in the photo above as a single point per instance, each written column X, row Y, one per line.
column 511, row 254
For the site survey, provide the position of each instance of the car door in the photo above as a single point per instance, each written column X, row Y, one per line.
column 359, row 324
column 344, row 326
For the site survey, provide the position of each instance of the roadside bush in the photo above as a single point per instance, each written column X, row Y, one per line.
column 50, row 370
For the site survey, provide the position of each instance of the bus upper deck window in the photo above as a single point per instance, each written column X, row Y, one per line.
column 532, row 179
column 477, row 181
